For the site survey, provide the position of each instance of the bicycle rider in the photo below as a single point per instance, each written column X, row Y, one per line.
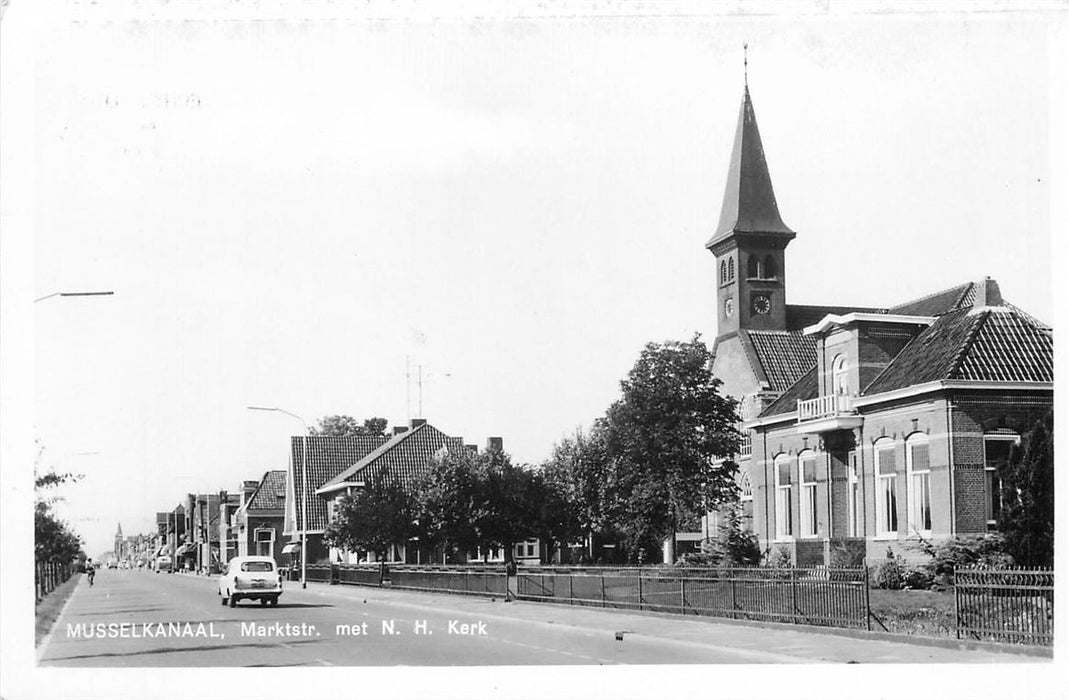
column 90, row 570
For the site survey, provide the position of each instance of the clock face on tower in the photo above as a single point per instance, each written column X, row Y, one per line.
column 761, row 304
column 729, row 306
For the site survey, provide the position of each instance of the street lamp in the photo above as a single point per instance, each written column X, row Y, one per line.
column 304, row 487
column 73, row 294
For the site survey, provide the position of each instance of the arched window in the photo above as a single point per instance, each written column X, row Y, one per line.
column 751, row 266
column 998, row 454
column 723, row 271
column 840, row 375
column 886, row 488
column 731, row 269
column 807, row 478
column 770, row 267
column 918, row 480
column 782, row 466
column 745, row 486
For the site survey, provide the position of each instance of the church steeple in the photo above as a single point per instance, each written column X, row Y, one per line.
column 749, row 201
column 750, row 240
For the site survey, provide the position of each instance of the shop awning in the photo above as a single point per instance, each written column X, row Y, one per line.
column 185, row 549
column 288, row 549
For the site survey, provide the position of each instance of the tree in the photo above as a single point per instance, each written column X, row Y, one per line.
column 733, row 545
column 667, row 440
column 1027, row 517
column 446, row 497
column 53, row 539
column 575, row 478
column 345, row 426
column 374, row 518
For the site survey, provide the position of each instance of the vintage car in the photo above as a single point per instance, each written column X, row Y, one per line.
column 162, row 564
column 255, row 578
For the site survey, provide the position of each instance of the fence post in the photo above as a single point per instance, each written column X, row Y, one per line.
column 603, row 591
column 868, row 606
column 571, row 589
column 734, row 605
column 957, row 604
column 640, row 589
column 794, row 594
column 682, row 595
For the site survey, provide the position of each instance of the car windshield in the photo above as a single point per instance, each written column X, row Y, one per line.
column 257, row 566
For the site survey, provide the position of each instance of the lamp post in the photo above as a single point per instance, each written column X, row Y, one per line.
column 304, row 487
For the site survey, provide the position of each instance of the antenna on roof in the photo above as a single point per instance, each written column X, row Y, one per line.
column 745, row 77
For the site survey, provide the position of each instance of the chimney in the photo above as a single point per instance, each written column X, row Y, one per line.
column 416, row 422
column 494, row 444
column 987, row 294
column 247, row 489
column 398, row 429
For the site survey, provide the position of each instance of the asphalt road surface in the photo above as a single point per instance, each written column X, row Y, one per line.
column 140, row 618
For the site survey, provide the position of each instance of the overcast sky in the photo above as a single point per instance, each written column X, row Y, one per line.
column 290, row 213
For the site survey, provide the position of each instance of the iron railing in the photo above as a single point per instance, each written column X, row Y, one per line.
column 814, row 596
column 465, row 580
column 48, row 575
column 1005, row 605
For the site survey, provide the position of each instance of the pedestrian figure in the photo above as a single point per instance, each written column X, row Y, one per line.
column 90, row 570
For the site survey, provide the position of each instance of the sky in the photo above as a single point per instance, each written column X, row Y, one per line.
column 316, row 212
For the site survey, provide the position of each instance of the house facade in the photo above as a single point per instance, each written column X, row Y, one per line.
column 259, row 521
column 864, row 429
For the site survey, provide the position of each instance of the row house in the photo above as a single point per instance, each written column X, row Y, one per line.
column 258, row 521
column 863, row 428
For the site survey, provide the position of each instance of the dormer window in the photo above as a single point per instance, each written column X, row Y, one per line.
column 840, row 375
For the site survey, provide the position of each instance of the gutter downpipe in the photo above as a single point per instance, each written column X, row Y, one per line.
column 950, row 467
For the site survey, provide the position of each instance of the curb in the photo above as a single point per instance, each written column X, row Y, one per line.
column 39, row 652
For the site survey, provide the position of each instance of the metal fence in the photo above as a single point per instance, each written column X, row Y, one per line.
column 814, row 596
column 471, row 581
column 1005, row 605
column 48, row 575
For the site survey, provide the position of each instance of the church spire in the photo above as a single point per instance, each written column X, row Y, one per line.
column 749, row 202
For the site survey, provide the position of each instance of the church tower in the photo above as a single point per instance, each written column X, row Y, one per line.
column 117, row 551
column 750, row 239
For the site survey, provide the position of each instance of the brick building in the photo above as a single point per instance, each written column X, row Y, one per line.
column 258, row 522
column 865, row 428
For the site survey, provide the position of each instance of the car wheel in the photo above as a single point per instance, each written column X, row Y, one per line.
column 263, row 602
column 233, row 600
column 224, row 601
column 274, row 601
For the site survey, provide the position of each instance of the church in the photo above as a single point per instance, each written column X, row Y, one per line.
column 865, row 429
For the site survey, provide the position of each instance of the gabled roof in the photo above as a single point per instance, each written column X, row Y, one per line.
column 328, row 456
column 270, row 494
column 405, row 457
column 781, row 357
column 938, row 303
column 991, row 343
column 749, row 202
column 800, row 316
column 802, row 390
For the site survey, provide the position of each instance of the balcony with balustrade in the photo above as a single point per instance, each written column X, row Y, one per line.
column 827, row 413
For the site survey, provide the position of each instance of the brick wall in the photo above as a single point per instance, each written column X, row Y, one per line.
column 809, row 552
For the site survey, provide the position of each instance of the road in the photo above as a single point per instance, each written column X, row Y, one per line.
column 164, row 620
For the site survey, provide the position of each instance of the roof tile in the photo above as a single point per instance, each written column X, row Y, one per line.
column 328, row 456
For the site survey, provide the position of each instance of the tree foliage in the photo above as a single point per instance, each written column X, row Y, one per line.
column 347, row 426
column 53, row 539
column 667, row 440
column 374, row 518
column 1027, row 518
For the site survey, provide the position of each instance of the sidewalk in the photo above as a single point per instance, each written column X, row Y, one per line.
column 786, row 643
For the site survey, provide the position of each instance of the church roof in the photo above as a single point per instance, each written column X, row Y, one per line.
column 779, row 357
column 938, row 303
column 749, row 202
column 405, row 456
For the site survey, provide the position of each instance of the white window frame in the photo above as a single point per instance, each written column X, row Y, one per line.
column 884, row 519
column 988, row 470
column 855, row 523
column 783, row 505
column 912, row 490
column 840, row 375
column 807, row 498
